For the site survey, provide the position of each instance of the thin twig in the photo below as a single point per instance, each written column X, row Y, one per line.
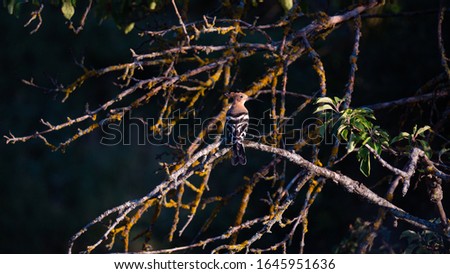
column 353, row 65
column 82, row 20
column 181, row 22
column 35, row 15
column 173, row 182
column 386, row 164
column 224, row 236
column 318, row 66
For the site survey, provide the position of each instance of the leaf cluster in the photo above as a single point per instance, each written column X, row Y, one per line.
column 424, row 242
column 354, row 127
column 415, row 139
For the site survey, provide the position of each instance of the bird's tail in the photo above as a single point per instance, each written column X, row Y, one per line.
column 238, row 157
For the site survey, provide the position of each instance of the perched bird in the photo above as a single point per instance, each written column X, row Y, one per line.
column 237, row 126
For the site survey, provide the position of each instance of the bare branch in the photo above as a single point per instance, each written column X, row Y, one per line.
column 444, row 59
column 353, row 66
column 82, row 20
column 409, row 100
column 158, row 192
column 181, row 22
column 349, row 184
column 386, row 164
column 410, row 168
column 36, row 15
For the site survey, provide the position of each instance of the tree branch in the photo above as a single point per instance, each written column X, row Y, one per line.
column 348, row 185
column 409, row 100
column 444, row 59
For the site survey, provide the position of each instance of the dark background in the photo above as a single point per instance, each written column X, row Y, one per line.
column 45, row 197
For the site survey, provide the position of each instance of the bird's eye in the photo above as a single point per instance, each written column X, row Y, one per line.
column 242, row 96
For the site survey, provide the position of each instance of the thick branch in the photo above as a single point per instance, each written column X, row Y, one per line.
column 347, row 183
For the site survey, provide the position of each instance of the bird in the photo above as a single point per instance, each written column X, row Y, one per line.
column 236, row 126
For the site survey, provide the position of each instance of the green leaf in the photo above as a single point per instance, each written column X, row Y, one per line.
column 286, row 4
column 352, row 143
column 10, row 6
column 364, row 158
column 426, row 148
column 401, row 136
column 322, row 130
column 338, row 100
column 384, row 136
column 376, row 147
column 67, row 9
column 323, row 108
column 344, row 134
column 340, row 129
column 325, row 100
column 363, row 110
column 152, row 5
column 422, row 130
column 394, row 7
column 364, row 166
column 357, row 124
column 336, row 126
column 128, row 28
column 366, row 141
column 347, row 113
column 366, row 123
column 410, row 236
column 429, row 237
column 362, row 135
column 414, row 129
